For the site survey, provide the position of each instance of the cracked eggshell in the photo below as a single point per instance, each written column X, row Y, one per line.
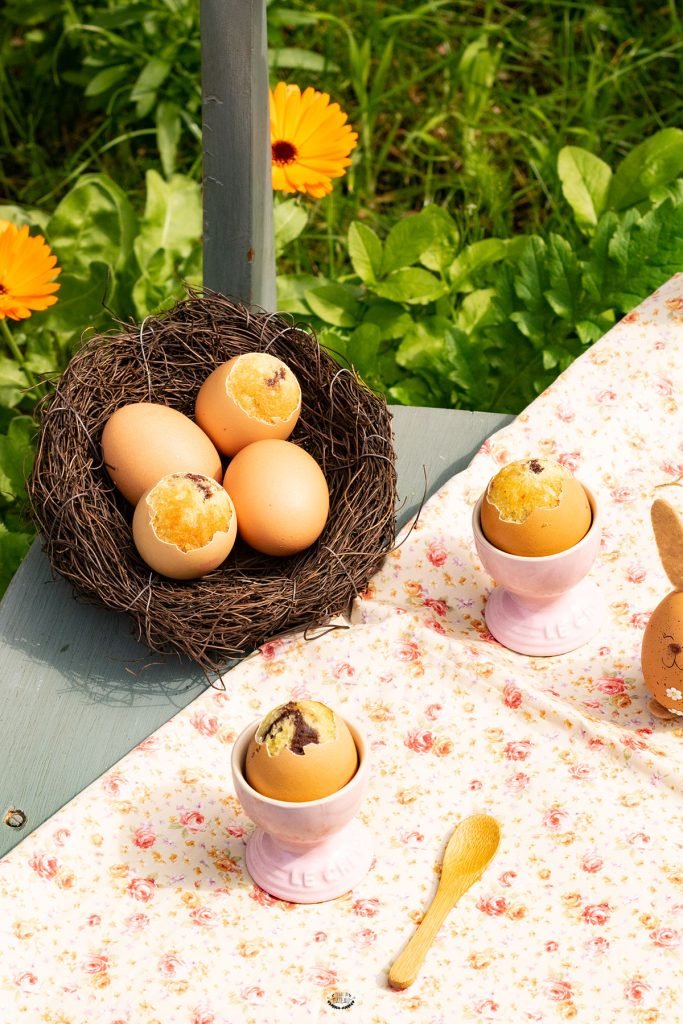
column 545, row 530
column 168, row 558
column 144, row 441
column 229, row 425
column 322, row 769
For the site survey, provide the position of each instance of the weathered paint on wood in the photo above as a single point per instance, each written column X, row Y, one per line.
column 238, row 196
column 77, row 691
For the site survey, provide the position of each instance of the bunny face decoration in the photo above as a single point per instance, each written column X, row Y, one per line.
column 661, row 654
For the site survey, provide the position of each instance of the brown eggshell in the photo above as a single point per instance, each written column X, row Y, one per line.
column 280, row 495
column 661, row 653
column 546, row 531
column 170, row 560
column 228, row 425
column 322, row 769
column 144, row 441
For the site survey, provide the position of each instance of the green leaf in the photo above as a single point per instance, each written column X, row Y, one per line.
column 157, row 287
column 191, row 269
column 408, row 239
column 391, row 318
column 477, row 73
column 21, row 215
column 168, row 134
column 475, row 309
column 290, row 219
column 473, row 259
column 653, row 163
column 13, row 549
column 550, row 358
column 412, row 391
column 295, row 58
column 41, row 352
column 10, row 374
column 672, row 191
column 81, row 301
column 442, row 354
column 335, row 304
column 597, row 266
column 16, row 457
column 334, row 343
column 289, row 18
column 589, row 331
column 292, row 290
column 365, row 252
column 411, row 285
column 106, row 79
column 362, row 349
column 511, row 361
column 565, row 289
column 531, row 284
column 94, row 222
column 644, row 251
column 427, row 350
column 585, row 183
column 13, row 383
column 439, row 255
column 144, row 91
column 172, row 219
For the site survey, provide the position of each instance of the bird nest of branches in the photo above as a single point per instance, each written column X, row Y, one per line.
column 86, row 524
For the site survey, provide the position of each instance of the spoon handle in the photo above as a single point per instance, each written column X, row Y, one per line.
column 406, row 966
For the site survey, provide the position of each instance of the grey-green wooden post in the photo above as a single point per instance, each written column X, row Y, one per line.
column 238, row 198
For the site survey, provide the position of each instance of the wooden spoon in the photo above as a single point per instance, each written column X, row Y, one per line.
column 472, row 845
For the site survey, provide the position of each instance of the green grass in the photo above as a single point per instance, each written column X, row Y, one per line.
column 464, row 104
column 480, row 134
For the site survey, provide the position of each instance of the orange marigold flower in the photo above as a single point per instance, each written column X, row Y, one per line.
column 310, row 140
column 27, row 272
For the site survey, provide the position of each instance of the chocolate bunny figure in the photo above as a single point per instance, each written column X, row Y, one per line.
column 661, row 655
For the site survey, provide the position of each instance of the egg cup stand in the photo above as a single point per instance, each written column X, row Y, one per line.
column 310, row 874
column 306, row 852
column 542, row 606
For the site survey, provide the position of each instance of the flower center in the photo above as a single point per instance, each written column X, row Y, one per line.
column 283, row 153
column 3, row 289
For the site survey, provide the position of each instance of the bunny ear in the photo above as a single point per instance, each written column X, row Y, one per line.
column 668, row 529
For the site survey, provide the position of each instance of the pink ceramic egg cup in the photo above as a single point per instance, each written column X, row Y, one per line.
column 542, row 606
column 306, row 852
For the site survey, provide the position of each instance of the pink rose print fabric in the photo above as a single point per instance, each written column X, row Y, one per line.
column 133, row 905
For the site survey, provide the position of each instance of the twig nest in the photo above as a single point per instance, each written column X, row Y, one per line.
column 86, row 524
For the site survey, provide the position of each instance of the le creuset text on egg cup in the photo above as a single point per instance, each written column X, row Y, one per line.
column 306, row 852
column 542, row 606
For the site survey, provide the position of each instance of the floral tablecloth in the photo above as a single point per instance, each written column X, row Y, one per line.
column 132, row 905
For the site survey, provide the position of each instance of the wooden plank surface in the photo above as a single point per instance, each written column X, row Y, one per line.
column 238, row 245
column 77, row 691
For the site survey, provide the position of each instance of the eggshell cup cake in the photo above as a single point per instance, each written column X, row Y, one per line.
column 542, row 605
column 306, row 851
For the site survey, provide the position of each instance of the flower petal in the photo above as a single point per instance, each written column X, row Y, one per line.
column 27, row 272
column 319, row 134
